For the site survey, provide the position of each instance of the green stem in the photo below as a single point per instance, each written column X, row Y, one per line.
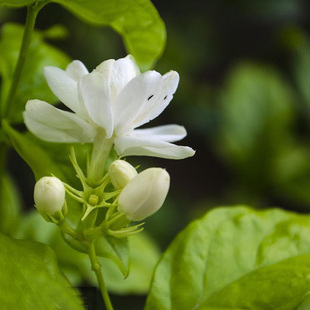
column 97, row 269
column 100, row 153
column 67, row 229
column 32, row 13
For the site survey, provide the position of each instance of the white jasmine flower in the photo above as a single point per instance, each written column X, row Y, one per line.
column 115, row 98
column 144, row 194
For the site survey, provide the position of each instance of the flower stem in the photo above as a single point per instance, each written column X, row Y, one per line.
column 32, row 13
column 67, row 229
column 97, row 269
column 100, row 153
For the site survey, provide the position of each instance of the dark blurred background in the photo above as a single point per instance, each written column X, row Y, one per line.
column 244, row 98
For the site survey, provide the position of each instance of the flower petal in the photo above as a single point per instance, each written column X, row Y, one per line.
column 65, row 88
column 95, row 92
column 135, row 97
column 51, row 124
column 169, row 133
column 123, row 71
column 128, row 145
column 171, row 82
column 159, row 102
column 76, row 69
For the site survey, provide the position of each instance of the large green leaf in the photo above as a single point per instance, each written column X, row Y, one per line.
column 30, row 278
column 10, row 205
column 32, row 83
column 137, row 21
column 236, row 258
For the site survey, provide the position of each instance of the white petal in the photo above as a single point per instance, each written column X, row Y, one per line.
column 54, row 125
column 94, row 90
column 135, row 97
column 76, row 69
column 169, row 133
column 105, row 67
column 171, row 81
column 123, row 71
column 162, row 97
column 127, row 146
column 65, row 88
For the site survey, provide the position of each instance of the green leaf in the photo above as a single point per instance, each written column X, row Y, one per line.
column 261, row 288
column 137, row 21
column 10, row 205
column 39, row 161
column 30, row 278
column 115, row 250
column 143, row 257
column 236, row 258
column 32, row 83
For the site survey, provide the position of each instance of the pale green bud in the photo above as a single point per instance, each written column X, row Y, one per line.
column 144, row 194
column 49, row 195
column 121, row 172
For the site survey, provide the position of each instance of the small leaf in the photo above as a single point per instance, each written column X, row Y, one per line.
column 30, row 278
column 115, row 250
column 143, row 255
column 10, row 205
column 236, row 258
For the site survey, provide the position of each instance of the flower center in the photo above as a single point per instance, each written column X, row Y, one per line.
column 93, row 200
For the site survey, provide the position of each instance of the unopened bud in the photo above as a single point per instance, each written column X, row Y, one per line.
column 144, row 194
column 121, row 172
column 49, row 195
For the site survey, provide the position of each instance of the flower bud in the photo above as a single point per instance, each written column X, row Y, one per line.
column 49, row 195
column 121, row 172
column 144, row 194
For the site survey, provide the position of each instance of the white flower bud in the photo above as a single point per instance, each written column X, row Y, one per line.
column 121, row 172
column 49, row 195
column 144, row 194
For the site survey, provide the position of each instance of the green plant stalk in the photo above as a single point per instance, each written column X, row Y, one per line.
column 100, row 153
column 32, row 13
column 97, row 269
